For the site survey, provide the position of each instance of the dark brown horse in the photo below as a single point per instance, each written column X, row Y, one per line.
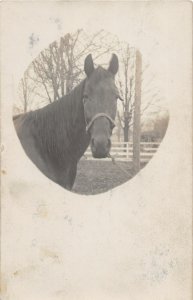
column 56, row 136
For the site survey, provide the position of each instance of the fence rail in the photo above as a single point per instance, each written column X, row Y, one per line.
column 123, row 151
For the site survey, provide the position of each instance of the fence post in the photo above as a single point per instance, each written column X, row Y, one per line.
column 137, row 114
column 128, row 150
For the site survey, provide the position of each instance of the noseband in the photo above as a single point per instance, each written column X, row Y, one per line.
column 99, row 115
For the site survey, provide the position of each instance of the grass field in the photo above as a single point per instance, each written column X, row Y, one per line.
column 97, row 176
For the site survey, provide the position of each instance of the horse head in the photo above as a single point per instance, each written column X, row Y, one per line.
column 100, row 104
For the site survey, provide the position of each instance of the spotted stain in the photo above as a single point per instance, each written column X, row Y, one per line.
column 3, row 285
column 68, row 219
column 18, row 188
column 33, row 40
column 42, row 211
column 16, row 273
column 2, row 148
column 3, row 172
column 57, row 22
column 46, row 253
column 158, row 265
column 24, row 271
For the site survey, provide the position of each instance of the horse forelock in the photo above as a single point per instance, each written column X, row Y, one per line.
column 99, row 74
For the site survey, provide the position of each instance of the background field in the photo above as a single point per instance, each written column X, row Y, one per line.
column 97, row 176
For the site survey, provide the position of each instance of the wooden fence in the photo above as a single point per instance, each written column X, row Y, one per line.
column 123, row 151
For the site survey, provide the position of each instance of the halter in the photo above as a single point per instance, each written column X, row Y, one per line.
column 99, row 115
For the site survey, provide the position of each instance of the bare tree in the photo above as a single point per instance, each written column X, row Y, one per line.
column 160, row 125
column 126, row 83
column 26, row 92
column 150, row 96
column 60, row 67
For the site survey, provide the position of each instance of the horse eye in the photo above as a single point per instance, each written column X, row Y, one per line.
column 85, row 98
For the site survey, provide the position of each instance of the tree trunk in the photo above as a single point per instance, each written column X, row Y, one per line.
column 126, row 132
column 68, row 84
column 62, row 67
column 25, row 105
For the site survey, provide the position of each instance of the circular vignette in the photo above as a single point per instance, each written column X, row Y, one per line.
column 94, row 81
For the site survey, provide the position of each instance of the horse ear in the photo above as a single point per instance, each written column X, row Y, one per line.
column 88, row 65
column 114, row 64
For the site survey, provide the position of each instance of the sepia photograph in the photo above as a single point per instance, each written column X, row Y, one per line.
column 87, row 123
column 96, row 150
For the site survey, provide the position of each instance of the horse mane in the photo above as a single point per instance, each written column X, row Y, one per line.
column 15, row 117
column 53, row 126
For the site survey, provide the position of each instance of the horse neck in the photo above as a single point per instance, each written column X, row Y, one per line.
column 76, row 120
column 68, row 110
column 74, row 106
column 62, row 123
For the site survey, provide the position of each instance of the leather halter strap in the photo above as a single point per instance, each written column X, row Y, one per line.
column 99, row 115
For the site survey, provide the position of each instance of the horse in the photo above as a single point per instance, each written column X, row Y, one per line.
column 56, row 136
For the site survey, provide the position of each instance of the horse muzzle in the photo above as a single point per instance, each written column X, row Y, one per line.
column 100, row 147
